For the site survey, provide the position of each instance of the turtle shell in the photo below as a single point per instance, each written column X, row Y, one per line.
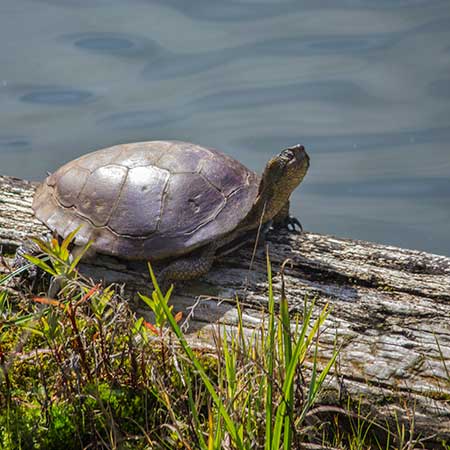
column 147, row 200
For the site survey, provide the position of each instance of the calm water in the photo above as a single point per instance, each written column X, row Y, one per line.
column 365, row 86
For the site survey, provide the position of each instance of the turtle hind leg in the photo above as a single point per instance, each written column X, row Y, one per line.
column 187, row 268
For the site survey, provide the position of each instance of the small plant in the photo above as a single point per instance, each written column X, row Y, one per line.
column 62, row 263
column 158, row 303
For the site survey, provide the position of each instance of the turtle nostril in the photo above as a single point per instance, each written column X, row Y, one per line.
column 299, row 152
column 298, row 149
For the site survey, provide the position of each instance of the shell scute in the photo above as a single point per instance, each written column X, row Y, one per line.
column 100, row 193
column 102, row 158
column 69, row 184
column 189, row 203
column 138, row 208
column 138, row 154
column 183, row 157
column 225, row 177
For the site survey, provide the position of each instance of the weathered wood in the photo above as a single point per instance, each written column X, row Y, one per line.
column 390, row 308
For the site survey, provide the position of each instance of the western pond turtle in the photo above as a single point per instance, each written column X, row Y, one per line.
column 166, row 200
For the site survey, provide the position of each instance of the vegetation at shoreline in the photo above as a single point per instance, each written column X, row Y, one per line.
column 81, row 369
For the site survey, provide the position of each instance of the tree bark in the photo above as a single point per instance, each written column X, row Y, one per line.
column 390, row 309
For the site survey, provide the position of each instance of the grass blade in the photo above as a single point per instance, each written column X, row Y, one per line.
column 77, row 259
column 198, row 366
column 270, row 341
column 41, row 264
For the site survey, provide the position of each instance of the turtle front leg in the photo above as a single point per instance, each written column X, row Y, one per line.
column 187, row 268
column 284, row 220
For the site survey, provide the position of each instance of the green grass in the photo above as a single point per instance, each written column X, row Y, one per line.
column 82, row 370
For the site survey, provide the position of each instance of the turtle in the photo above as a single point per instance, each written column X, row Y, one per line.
column 167, row 201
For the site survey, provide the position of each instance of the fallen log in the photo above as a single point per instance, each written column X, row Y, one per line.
column 390, row 309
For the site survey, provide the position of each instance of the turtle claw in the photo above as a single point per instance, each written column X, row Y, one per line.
column 294, row 225
column 290, row 223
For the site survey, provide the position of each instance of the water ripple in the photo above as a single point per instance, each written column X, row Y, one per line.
column 56, row 96
column 219, row 10
column 171, row 65
column 332, row 91
column 235, row 10
column 441, row 25
column 137, row 119
column 398, row 187
column 112, row 43
column 166, row 64
column 348, row 44
column 77, row 3
column 14, row 144
column 352, row 142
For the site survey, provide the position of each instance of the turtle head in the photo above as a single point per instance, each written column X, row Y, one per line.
column 282, row 175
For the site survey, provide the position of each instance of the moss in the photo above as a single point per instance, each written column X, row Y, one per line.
column 26, row 426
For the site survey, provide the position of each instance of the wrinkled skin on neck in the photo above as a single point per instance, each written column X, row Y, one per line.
column 282, row 175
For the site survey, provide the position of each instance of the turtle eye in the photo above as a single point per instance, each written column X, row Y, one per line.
column 295, row 152
column 288, row 153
